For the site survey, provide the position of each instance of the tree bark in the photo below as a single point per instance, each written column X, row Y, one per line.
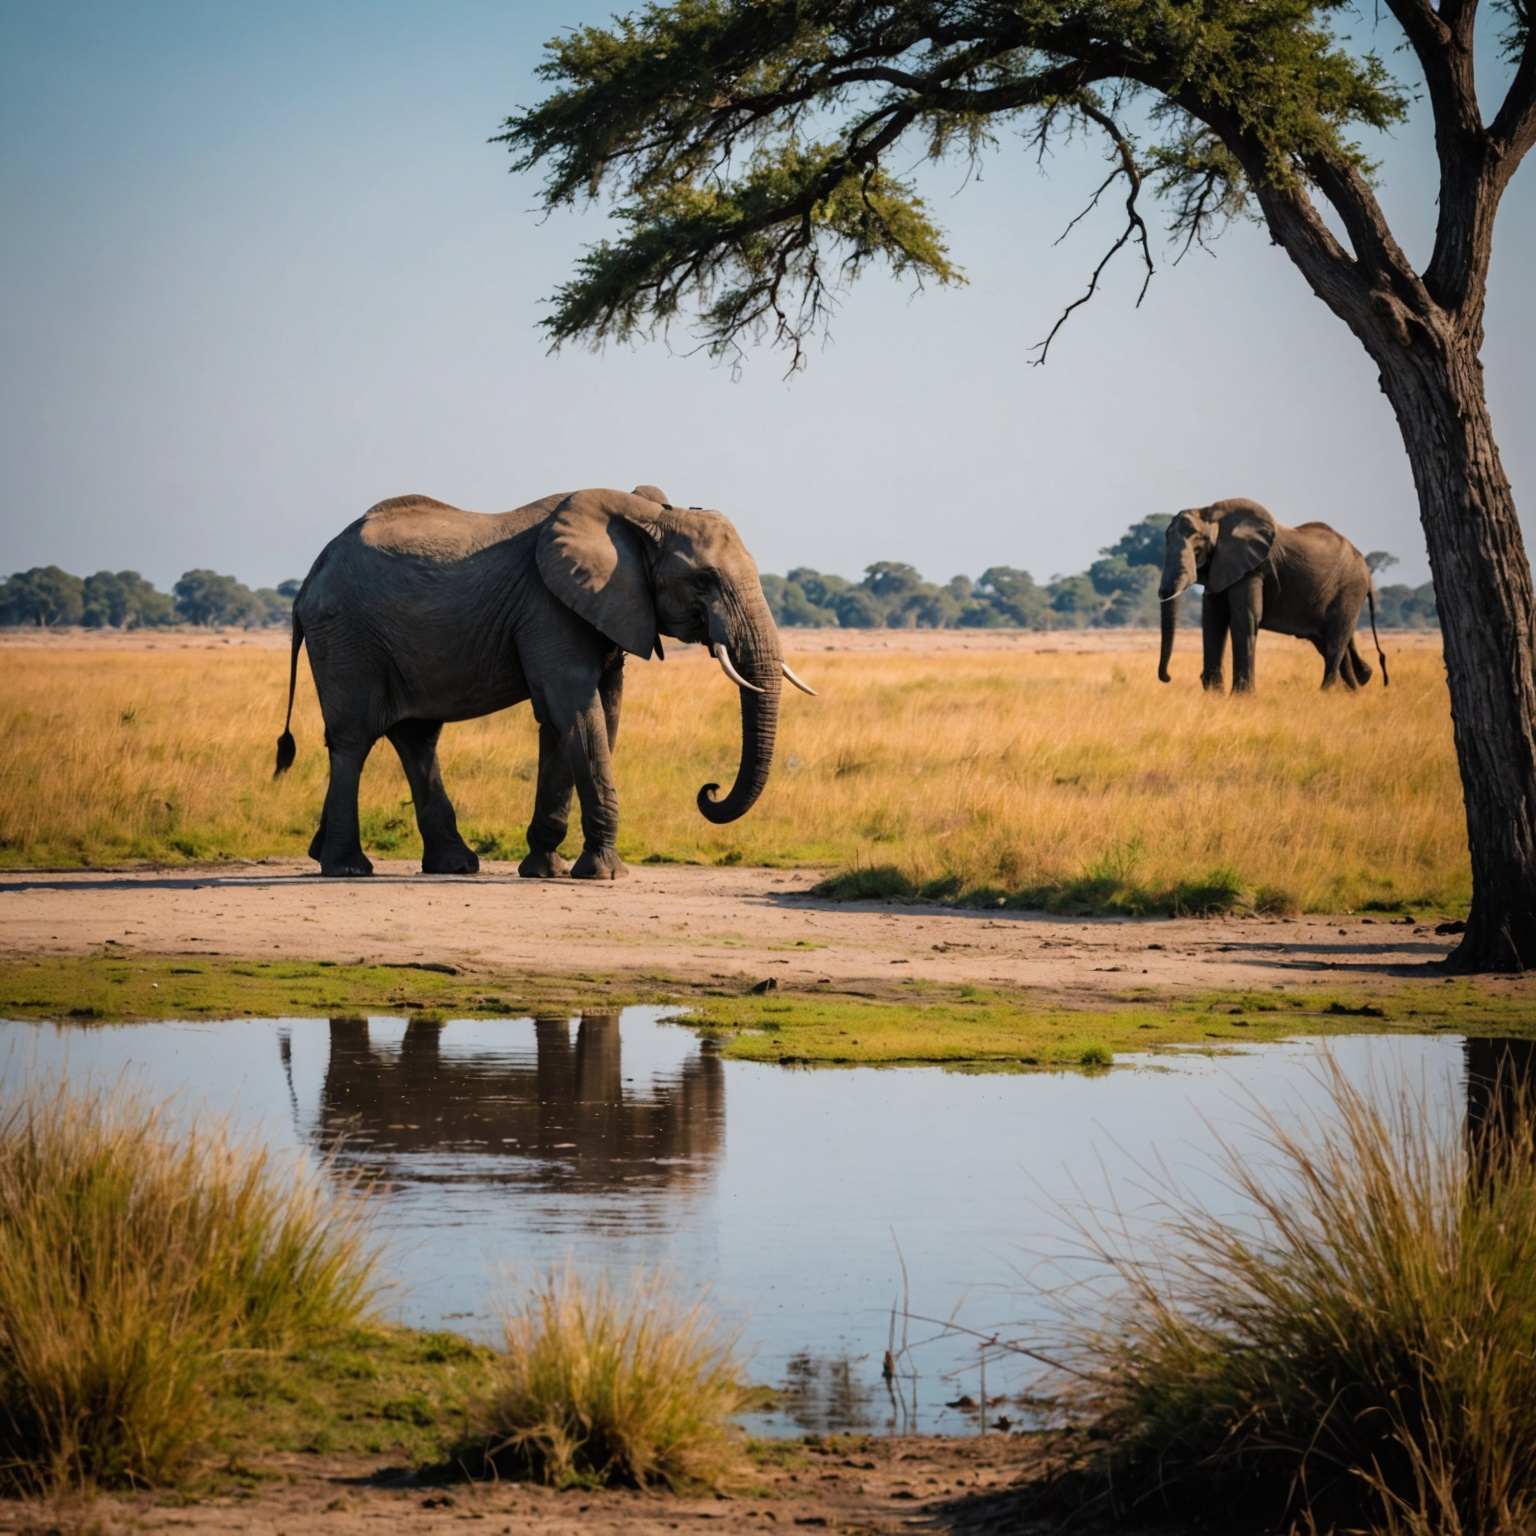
column 1482, row 576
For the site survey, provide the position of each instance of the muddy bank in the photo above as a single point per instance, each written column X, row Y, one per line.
column 700, row 926
column 875, row 1486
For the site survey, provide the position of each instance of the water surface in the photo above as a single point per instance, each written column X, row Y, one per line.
column 798, row 1199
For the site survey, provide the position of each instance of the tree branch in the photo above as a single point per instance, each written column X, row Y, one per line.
column 1135, row 225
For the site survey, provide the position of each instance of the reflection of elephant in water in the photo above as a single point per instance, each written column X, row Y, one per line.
column 420, row 613
column 566, row 1112
column 1307, row 581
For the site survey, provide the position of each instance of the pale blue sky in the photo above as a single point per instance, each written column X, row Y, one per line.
column 259, row 268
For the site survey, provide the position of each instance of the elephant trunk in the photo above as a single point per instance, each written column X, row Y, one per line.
column 759, row 660
column 1170, row 616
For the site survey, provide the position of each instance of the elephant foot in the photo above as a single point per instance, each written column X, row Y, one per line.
column 1213, row 682
column 544, row 866
column 599, row 864
column 352, row 867
column 462, row 860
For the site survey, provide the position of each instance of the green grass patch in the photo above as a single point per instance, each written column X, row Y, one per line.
column 970, row 1026
column 368, row 1391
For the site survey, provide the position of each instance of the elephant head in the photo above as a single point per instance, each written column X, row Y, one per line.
column 636, row 569
column 1217, row 545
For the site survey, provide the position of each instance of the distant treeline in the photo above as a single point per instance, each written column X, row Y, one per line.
column 45, row 596
column 1118, row 590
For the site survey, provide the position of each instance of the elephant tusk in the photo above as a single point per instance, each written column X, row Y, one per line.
column 802, row 686
column 723, row 656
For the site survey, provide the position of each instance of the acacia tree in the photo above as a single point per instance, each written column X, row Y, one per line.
column 748, row 144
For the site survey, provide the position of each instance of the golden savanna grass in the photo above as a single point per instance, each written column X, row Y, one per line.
column 598, row 1385
column 1060, row 774
column 1352, row 1352
column 135, row 1265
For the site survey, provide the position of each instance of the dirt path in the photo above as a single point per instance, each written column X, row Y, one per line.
column 883, row 1486
column 700, row 926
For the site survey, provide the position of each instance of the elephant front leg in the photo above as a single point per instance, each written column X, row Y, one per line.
column 1246, row 605
column 1215, row 617
column 444, row 851
column 551, row 810
column 585, row 743
column 340, row 850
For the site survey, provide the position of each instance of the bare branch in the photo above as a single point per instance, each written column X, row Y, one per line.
column 1135, row 225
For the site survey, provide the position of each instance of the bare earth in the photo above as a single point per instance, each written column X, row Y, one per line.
column 876, row 1486
column 700, row 926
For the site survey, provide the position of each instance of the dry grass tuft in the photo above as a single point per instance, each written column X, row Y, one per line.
column 1355, row 1354
column 132, row 1263
column 598, row 1388
column 1068, row 779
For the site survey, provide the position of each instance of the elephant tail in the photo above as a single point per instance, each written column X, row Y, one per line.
column 285, row 747
column 1370, row 597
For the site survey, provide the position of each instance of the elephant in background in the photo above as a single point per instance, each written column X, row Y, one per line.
column 1307, row 581
column 420, row 613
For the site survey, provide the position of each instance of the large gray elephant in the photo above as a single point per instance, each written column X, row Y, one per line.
column 1307, row 581
column 420, row 613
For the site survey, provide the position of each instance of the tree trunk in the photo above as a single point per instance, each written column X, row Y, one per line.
column 1488, row 624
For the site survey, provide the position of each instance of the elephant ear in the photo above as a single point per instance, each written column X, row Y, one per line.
column 1244, row 535
column 592, row 556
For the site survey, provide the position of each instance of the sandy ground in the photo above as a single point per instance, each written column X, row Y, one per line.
column 704, row 926
column 880, row 1486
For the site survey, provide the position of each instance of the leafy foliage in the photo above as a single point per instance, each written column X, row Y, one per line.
column 746, row 144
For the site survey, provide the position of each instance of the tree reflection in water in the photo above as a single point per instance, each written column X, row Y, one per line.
column 1501, row 1094
column 560, row 1119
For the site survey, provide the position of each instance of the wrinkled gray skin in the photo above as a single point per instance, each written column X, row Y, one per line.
column 1306, row 581
column 420, row 613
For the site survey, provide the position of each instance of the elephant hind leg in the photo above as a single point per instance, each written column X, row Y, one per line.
column 444, row 851
column 1358, row 664
column 340, row 849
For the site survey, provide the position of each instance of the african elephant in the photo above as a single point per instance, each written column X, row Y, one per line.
column 1306, row 581
column 420, row 613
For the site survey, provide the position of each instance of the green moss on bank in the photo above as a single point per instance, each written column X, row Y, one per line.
column 906, row 1024
column 374, row 1391
column 991, row 1029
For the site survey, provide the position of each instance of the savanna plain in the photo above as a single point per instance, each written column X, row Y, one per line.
column 984, row 850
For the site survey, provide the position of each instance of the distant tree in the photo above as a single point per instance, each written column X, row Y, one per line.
column 1074, row 603
column 207, row 598
column 856, row 609
column 1132, row 601
column 124, row 600
column 289, row 588
column 1141, row 543
column 43, row 596
column 818, row 589
column 889, row 580
column 959, row 588
column 275, row 609
column 1379, row 560
column 1014, row 595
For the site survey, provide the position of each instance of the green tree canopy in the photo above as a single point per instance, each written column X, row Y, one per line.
column 43, row 596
